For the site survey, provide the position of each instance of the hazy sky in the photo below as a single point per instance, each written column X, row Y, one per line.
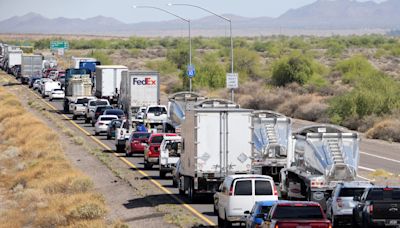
column 123, row 11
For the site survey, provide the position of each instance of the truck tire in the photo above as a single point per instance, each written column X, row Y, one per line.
column 227, row 224
column 87, row 120
column 192, row 191
column 147, row 165
column 162, row 174
column 96, row 133
column 179, row 184
column 221, row 222
column 74, row 117
column 108, row 136
column 92, row 124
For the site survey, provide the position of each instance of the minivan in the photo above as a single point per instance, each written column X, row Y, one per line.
column 238, row 193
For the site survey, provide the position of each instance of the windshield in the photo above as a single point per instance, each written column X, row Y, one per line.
column 384, row 194
column 298, row 212
column 114, row 112
column 82, row 101
column 265, row 209
column 141, row 136
column 161, row 110
column 57, row 90
column 157, row 139
column 351, row 192
column 107, row 118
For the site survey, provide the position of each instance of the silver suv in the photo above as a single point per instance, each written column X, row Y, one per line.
column 340, row 206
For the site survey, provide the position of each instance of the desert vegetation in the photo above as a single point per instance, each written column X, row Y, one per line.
column 353, row 81
column 38, row 186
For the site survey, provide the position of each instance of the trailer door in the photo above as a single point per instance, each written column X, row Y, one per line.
column 208, row 142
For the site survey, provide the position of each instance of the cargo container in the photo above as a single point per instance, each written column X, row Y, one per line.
column 77, row 84
column 108, row 81
column 216, row 137
column 31, row 66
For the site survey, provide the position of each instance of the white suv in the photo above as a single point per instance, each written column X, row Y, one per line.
column 156, row 113
column 238, row 193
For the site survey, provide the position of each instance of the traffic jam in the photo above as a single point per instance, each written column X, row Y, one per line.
column 257, row 170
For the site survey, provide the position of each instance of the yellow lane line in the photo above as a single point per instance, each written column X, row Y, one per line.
column 156, row 183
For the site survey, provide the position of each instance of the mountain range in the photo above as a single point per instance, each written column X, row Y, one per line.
column 344, row 15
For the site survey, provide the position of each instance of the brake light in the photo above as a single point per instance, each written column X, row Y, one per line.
column 339, row 202
column 370, row 209
column 231, row 190
column 387, row 189
column 317, row 184
column 330, row 225
column 276, row 226
column 275, row 191
column 100, row 123
column 135, row 142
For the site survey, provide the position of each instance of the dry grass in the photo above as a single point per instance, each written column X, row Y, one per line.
column 388, row 129
column 43, row 189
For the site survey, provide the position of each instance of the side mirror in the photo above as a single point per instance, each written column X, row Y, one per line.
column 356, row 198
column 247, row 212
column 265, row 218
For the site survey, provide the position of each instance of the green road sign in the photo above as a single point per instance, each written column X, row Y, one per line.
column 59, row 45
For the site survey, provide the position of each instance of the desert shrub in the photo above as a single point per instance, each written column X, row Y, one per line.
column 293, row 68
column 162, row 66
column 102, row 57
column 355, row 69
column 388, row 129
column 335, row 49
column 246, row 62
column 179, row 56
column 210, row 73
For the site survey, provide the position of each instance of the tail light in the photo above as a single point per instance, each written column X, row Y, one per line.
column 317, row 184
column 275, row 191
column 135, row 142
column 231, row 190
column 370, row 209
column 330, row 225
column 276, row 226
column 339, row 202
column 100, row 123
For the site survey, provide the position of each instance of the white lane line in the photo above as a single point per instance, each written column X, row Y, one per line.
column 380, row 157
column 366, row 168
column 365, row 178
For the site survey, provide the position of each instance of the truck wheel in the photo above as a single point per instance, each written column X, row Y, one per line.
column 96, row 133
column 221, row 222
column 174, row 184
column 50, row 99
column 227, row 224
column 147, row 165
column 179, row 184
column 162, row 174
column 334, row 221
column 74, row 117
column 87, row 120
column 92, row 124
column 191, row 191
column 108, row 136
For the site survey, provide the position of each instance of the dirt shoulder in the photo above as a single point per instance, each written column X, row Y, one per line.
column 130, row 198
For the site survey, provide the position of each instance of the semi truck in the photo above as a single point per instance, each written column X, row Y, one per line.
column 12, row 60
column 77, row 84
column 31, row 66
column 108, row 82
column 138, row 89
column 323, row 156
column 216, row 136
column 272, row 134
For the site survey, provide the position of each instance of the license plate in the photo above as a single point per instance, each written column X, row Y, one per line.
column 393, row 222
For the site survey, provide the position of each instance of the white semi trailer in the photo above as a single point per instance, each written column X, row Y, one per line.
column 323, row 155
column 216, row 138
column 108, row 81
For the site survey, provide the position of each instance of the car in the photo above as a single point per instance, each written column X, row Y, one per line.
column 156, row 113
column 135, row 143
column 296, row 214
column 56, row 94
column 102, row 123
column 176, row 176
column 61, row 78
column 117, row 112
column 32, row 80
column 78, row 107
column 141, row 113
column 53, row 75
column 112, row 127
column 48, row 86
column 238, row 193
column 90, row 107
column 42, row 81
column 152, row 150
column 379, row 206
column 36, row 84
column 99, row 111
column 255, row 217
column 339, row 208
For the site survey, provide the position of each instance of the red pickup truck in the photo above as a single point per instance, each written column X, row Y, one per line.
column 292, row 214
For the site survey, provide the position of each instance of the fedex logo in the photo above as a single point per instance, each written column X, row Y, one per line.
column 145, row 81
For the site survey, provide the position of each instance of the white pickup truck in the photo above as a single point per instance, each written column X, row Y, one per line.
column 170, row 150
column 78, row 106
column 91, row 106
column 48, row 86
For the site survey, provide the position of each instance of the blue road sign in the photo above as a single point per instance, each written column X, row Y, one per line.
column 191, row 71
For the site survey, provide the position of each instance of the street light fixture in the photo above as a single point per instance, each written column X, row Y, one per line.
column 189, row 28
column 220, row 16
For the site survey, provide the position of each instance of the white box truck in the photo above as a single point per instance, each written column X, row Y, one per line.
column 31, row 65
column 217, row 142
column 13, row 60
column 108, row 81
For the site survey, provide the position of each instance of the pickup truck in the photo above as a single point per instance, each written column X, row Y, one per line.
column 78, row 107
column 378, row 206
column 285, row 214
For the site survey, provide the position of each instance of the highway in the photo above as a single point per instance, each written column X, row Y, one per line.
column 375, row 155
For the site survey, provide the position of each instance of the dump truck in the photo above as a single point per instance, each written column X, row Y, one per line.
column 216, row 137
column 31, row 66
column 272, row 134
column 323, row 155
column 77, row 84
column 108, row 82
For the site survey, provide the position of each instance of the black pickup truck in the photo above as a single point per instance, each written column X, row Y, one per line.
column 378, row 206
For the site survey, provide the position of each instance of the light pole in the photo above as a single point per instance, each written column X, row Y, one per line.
column 222, row 17
column 190, row 34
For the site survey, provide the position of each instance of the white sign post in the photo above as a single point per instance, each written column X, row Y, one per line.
column 232, row 82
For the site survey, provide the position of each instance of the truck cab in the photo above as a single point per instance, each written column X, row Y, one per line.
column 156, row 114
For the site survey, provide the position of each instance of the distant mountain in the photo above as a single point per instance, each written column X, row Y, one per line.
column 321, row 15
